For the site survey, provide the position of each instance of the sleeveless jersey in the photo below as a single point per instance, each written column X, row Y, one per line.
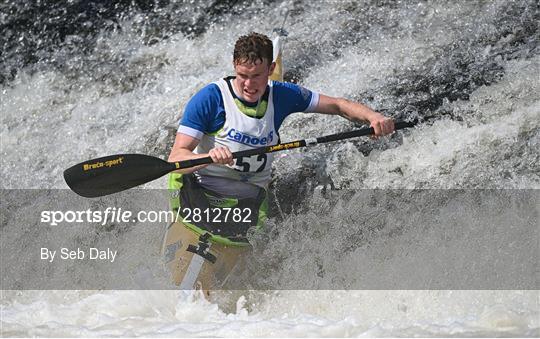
column 242, row 132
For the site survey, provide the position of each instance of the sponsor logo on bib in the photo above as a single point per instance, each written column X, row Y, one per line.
column 247, row 139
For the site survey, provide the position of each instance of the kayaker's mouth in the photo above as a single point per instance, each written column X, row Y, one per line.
column 250, row 91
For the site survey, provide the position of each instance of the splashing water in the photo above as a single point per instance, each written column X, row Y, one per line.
column 85, row 80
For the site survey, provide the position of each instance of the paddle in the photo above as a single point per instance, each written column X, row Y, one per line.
column 115, row 173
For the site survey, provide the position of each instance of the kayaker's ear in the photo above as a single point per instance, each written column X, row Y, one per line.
column 272, row 67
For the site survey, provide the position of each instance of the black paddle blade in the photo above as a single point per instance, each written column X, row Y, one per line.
column 114, row 173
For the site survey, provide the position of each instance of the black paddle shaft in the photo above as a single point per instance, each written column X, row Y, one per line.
column 115, row 173
column 296, row 144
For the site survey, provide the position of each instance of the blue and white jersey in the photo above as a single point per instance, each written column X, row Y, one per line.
column 205, row 111
column 217, row 117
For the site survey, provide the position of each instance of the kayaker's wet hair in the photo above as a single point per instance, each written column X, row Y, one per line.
column 253, row 48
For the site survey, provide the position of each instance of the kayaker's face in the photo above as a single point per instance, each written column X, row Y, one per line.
column 252, row 78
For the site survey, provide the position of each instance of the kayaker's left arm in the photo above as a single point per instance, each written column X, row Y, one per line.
column 354, row 111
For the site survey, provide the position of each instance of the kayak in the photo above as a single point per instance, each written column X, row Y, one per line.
column 277, row 75
column 189, row 270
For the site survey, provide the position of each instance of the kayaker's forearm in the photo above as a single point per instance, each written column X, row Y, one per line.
column 354, row 111
column 349, row 110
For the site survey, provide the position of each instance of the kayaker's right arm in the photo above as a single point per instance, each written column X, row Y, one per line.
column 183, row 150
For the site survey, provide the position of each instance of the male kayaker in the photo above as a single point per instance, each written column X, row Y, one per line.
column 233, row 114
